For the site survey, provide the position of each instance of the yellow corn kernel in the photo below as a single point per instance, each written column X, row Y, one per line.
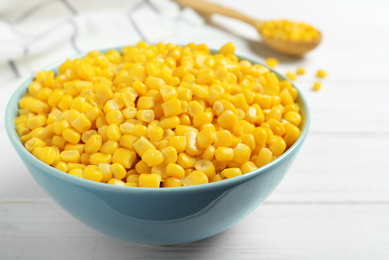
column 93, row 144
column 168, row 92
column 118, row 171
column 145, row 102
column 192, row 147
column 97, row 158
column 277, row 146
column 70, row 156
column 224, row 153
column 72, row 166
column 62, row 166
column 106, row 172
column 169, row 122
column 171, row 107
column 248, row 166
column 88, row 134
column 71, row 136
column 47, row 155
column 202, row 118
column 92, row 174
column 77, row 172
column 149, row 180
column 178, row 142
column 84, row 158
column 114, row 117
column 184, row 94
column 140, row 88
column 228, row 48
column 205, row 76
column 316, row 86
column 293, row 117
column 127, row 141
column 321, row 74
column 205, row 166
column 186, row 161
column 194, row 107
column 133, row 178
column 60, row 126
column 209, row 153
column 114, row 181
column 206, row 137
column 154, row 82
column 290, row 75
column 223, row 138
column 227, row 119
column 271, row 62
column 265, row 156
column 152, row 157
column 249, row 140
column 175, row 170
column 242, row 153
column 142, row 167
column 230, row 173
column 146, row 115
column 81, row 123
column 300, row 71
column 85, row 70
column 109, row 147
column 169, row 154
column 286, row 97
column 171, row 182
column 292, row 133
column 276, row 127
column 113, row 132
column 125, row 157
column 195, row 178
column 142, row 145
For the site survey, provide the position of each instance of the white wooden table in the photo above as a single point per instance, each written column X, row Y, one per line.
column 333, row 203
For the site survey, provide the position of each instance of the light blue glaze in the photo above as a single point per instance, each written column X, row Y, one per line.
column 162, row 216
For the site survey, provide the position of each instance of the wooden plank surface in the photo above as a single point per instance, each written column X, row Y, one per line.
column 333, row 203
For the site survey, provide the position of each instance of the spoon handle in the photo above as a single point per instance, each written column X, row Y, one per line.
column 211, row 8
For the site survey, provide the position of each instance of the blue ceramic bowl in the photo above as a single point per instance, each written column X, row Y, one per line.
column 162, row 216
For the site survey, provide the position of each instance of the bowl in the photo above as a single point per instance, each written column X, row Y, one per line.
column 164, row 216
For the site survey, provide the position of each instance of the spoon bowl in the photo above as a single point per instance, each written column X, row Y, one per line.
column 293, row 48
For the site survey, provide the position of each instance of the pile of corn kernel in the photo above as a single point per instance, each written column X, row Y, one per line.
column 158, row 116
column 290, row 30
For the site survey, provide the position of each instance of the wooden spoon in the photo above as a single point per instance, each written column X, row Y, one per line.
column 295, row 48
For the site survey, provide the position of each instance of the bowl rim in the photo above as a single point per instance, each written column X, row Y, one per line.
column 14, row 138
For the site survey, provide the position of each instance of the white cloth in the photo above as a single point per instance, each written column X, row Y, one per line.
column 36, row 33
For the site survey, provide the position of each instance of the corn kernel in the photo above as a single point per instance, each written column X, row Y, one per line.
column 224, row 153
column 264, row 157
column 171, row 107
column 321, row 74
column 152, row 157
column 118, row 171
column 271, row 62
column 248, row 166
column 186, row 161
column 149, row 180
column 125, row 157
column 206, row 166
column 277, row 146
column 316, row 86
column 169, row 154
column 195, row 178
column 93, row 174
column 71, row 135
column 230, row 173
column 171, row 182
